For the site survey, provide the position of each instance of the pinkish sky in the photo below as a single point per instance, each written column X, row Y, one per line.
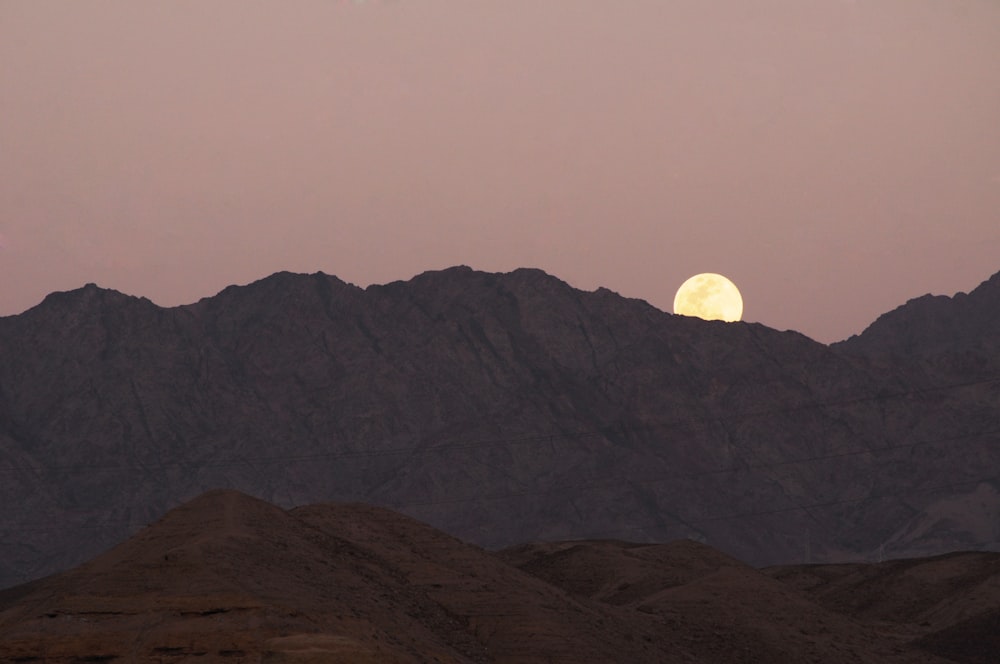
column 834, row 158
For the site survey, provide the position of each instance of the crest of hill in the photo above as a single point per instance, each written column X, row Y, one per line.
column 228, row 577
column 615, row 572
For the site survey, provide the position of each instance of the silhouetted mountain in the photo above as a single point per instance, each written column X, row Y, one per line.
column 501, row 408
column 956, row 336
column 227, row 577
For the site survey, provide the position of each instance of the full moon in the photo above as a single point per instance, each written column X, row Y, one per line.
column 710, row 296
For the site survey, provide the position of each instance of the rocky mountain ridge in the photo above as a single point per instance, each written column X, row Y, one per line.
column 502, row 408
column 955, row 336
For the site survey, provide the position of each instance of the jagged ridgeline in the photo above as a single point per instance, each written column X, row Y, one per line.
column 501, row 408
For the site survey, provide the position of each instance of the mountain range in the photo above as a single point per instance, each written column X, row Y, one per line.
column 502, row 409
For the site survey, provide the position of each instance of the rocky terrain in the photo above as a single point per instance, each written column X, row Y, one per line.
column 230, row 578
column 959, row 335
column 502, row 409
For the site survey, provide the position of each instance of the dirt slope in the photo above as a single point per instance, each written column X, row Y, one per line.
column 729, row 609
column 230, row 578
column 949, row 605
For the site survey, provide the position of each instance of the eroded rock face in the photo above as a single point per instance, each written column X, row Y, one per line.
column 502, row 408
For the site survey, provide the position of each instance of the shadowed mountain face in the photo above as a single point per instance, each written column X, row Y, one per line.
column 501, row 408
column 955, row 336
column 227, row 577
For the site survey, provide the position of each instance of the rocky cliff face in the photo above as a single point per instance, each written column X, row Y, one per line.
column 501, row 408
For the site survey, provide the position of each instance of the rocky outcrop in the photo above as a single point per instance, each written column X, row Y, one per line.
column 502, row 408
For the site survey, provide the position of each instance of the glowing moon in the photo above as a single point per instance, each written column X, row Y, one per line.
column 710, row 296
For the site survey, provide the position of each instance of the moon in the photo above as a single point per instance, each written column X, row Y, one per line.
column 710, row 296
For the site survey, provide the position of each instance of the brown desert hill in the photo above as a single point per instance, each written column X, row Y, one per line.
column 616, row 572
column 948, row 604
column 500, row 408
column 714, row 600
column 229, row 578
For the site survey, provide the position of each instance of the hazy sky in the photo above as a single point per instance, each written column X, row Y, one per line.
column 832, row 157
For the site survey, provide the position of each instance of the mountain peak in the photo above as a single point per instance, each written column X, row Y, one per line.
column 988, row 289
column 223, row 506
column 935, row 325
column 87, row 295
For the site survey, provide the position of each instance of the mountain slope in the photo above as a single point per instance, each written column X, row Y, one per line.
column 947, row 605
column 955, row 336
column 502, row 408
